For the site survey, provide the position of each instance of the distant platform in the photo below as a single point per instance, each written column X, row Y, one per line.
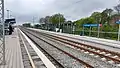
column 13, row 54
column 111, row 45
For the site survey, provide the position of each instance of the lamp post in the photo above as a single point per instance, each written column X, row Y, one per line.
column 8, row 13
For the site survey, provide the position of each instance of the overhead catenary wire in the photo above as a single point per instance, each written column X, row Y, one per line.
column 74, row 3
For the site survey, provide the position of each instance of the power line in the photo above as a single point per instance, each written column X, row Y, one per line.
column 79, row 1
column 72, row 4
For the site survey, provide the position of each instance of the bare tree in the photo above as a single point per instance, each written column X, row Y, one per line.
column 117, row 8
column 47, row 20
column 42, row 20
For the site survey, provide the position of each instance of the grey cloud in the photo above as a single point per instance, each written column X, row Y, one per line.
column 24, row 10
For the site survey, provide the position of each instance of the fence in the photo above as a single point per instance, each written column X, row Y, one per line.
column 106, row 35
column 73, row 29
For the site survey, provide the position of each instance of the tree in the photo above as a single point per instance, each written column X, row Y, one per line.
column 26, row 25
column 47, row 19
column 117, row 8
column 42, row 20
column 57, row 18
column 69, row 21
column 88, row 20
column 37, row 26
column 97, row 17
column 108, row 11
column 106, row 15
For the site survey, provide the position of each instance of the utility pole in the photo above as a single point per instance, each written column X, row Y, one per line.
column 59, row 22
column 2, row 33
column 8, row 13
column 33, row 20
column 11, row 16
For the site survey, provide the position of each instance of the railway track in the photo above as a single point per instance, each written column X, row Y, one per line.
column 30, row 57
column 72, row 56
column 105, row 55
column 116, row 43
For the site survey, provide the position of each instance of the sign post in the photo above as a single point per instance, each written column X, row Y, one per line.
column 83, row 31
column 92, row 25
column 99, row 30
column 119, row 33
column 118, row 22
column 90, row 31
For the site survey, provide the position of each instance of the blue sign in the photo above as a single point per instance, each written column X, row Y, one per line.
column 91, row 25
column 118, row 22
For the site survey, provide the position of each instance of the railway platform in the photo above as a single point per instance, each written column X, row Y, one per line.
column 13, row 57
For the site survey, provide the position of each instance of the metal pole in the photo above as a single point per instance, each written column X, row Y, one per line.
column 90, row 31
column 83, row 30
column 59, row 22
column 49, row 24
column 98, row 30
column 71, row 28
column 119, row 33
column 67, row 29
column 8, row 14
column 63, row 27
column 33, row 21
column 3, row 32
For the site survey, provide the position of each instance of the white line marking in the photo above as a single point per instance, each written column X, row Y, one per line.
column 32, row 63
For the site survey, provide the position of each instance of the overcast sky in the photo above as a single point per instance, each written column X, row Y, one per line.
column 24, row 10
